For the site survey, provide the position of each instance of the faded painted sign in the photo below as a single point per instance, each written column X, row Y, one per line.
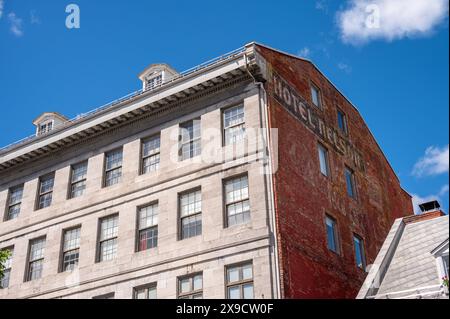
column 300, row 108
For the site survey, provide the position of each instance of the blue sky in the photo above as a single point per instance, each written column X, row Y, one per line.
column 397, row 74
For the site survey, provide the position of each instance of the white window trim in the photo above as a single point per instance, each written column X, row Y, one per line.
column 46, row 123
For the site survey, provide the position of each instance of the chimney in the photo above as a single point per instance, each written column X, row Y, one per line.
column 430, row 210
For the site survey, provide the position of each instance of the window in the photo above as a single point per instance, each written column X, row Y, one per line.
column 78, row 180
column 148, row 227
column 350, row 180
column 191, row 214
column 113, row 167
column 234, row 125
column 155, row 81
column 14, row 202
column 342, row 122
column 45, row 127
column 190, row 287
column 7, row 265
column 151, row 154
column 240, row 282
column 332, row 234
column 147, row 292
column 237, row 201
column 324, row 161
column 71, row 249
column 315, row 96
column 35, row 259
column 190, row 137
column 445, row 264
column 109, row 229
column 107, row 296
column 359, row 252
column 46, row 184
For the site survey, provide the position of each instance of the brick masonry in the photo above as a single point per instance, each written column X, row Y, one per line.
column 304, row 195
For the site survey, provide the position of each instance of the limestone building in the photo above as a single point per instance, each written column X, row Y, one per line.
column 249, row 176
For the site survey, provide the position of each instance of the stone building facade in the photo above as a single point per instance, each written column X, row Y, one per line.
column 234, row 179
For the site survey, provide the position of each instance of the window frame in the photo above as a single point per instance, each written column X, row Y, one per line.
column 9, row 206
column 181, row 218
column 153, row 154
column 192, row 293
column 48, row 126
column 192, row 140
column 336, row 235
column 343, row 130
column 42, row 194
column 64, row 251
column 147, row 289
column 240, row 283
column 106, row 170
column 362, row 249
column 225, row 128
column 226, row 205
column 139, row 230
column 101, row 241
column 320, row 148
column 154, row 81
column 30, row 262
column 7, row 271
column 319, row 95
column 353, row 185
column 83, row 180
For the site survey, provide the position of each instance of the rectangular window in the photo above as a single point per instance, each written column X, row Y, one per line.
column 14, row 202
column 237, row 201
column 315, row 96
column 154, row 82
column 46, row 184
column 151, row 154
column 147, row 292
column 191, row 214
column 78, row 179
column 342, row 122
column 234, row 125
column 36, row 259
column 324, row 161
column 359, row 252
column 109, row 230
column 190, row 287
column 148, row 227
column 240, row 282
column 350, row 181
column 71, row 249
column 7, row 265
column 113, row 167
column 332, row 234
column 190, row 139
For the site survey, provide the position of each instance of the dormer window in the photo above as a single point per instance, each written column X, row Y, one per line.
column 156, row 75
column 45, row 127
column 47, row 122
column 155, row 81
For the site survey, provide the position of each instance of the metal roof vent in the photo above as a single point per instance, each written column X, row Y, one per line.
column 430, row 206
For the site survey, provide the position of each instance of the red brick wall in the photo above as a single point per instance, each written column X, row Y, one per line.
column 304, row 195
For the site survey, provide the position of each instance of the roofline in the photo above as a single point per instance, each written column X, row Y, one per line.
column 62, row 117
column 341, row 93
column 140, row 75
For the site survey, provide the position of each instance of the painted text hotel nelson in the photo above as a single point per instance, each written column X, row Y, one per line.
column 250, row 176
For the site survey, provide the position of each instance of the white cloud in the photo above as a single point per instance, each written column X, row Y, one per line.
column 344, row 67
column 2, row 5
column 418, row 200
column 434, row 162
column 366, row 20
column 15, row 24
column 305, row 52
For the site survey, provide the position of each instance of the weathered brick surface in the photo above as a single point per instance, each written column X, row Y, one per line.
column 304, row 196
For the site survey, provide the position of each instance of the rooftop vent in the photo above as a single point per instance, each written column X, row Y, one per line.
column 47, row 122
column 430, row 206
column 156, row 74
